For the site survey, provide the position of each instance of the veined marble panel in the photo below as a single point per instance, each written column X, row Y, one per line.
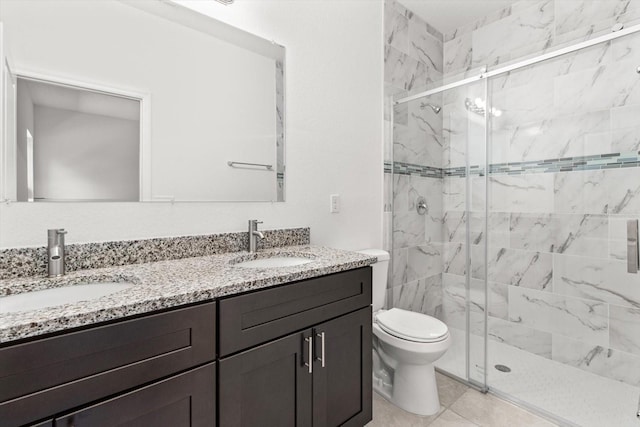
column 611, row 191
column 625, row 134
column 545, row 71
column 454, row 258
column 533, row 270
column 531, row 27
column 396, row 29
column 453, row 194
column 557, row 136
column 626, row 47
column 422, row 296
column 401, row 193
column 516, row 335
column 458, row 54
column 602, row 87
column 573, row 14
column 526, row 103
column 413, row 144
column 599, row 360
column 581, row 319
column 454, row 227
column 424, row 261
column 624, row 329
column 597, row 279
column 399, row 264
column 408, row 229
column 455, row 302
column 522, row 193
column 483, row 21
column 561, row 233
column 401, row 116
column 403, row 71
column 423, row 45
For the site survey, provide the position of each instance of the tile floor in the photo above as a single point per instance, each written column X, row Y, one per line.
column 460, row 406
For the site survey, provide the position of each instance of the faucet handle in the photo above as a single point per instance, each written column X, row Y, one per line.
column 61, row 231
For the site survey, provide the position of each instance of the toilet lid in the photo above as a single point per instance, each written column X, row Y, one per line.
column 411, row 326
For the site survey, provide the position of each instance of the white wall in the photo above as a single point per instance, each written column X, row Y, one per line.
column 82, row 156
column 334, row 139
column 25, row 121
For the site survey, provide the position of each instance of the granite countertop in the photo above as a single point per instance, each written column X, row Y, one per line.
column 164, row 284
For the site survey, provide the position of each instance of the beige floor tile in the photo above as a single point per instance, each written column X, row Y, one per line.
column 387, row 415
column 449, row 389
column 450, row 419
column 488, row 410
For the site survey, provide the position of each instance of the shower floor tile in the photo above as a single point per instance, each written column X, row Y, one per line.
column 581, row 398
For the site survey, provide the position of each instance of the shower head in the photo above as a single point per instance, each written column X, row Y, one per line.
column 435, row 108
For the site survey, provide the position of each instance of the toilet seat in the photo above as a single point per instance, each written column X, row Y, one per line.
column 411, row 326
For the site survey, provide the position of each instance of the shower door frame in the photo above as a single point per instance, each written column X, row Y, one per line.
column 484, row 75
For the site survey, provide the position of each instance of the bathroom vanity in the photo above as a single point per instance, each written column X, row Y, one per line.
column 265, row 349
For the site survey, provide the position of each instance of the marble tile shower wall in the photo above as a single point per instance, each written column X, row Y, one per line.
column 530, row 28
column 413, row 59
column 556, row 269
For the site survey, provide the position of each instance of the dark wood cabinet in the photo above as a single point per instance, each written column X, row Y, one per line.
column 342, row 372
column 273, row 384
column 184, row 400
column 45, row 377
column 298, row 355
column 268, row 385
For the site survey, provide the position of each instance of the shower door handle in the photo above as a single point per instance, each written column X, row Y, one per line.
column 632, row 246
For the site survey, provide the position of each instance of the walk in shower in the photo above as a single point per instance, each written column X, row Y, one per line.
column 516, row 190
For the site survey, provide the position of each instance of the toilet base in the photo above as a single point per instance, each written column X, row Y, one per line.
column 414, row 389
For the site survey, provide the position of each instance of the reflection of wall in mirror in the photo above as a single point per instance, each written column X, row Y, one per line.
column 211, row 101
column 81, row 156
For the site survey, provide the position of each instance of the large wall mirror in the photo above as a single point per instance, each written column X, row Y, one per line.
column 141, row 100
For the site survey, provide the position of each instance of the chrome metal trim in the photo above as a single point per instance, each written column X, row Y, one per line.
column 321, row 358
column 233, row 164
column 487, row 158
column 632, row 246
column 524, row 63
column 309, row 363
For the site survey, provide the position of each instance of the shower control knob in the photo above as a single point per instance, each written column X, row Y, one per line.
column 638, row 69
column 421, row 205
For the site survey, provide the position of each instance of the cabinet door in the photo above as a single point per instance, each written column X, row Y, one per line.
column 342, row 387
column 269, row 385
column 185, row 400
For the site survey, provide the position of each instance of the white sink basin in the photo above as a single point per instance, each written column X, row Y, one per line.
column 58, row 296
column 273, row 262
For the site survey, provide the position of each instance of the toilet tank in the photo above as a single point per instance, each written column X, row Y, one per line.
column 380, row 270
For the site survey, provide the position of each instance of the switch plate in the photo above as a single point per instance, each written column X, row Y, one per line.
column 334, row 201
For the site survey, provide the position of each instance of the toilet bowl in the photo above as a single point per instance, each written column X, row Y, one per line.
column 406, row 344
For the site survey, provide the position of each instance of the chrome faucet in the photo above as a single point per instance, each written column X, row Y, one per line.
column 254, row 234
column 55, row 251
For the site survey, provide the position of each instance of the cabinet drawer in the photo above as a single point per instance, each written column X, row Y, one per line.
column 185, row 400
column 54, row 374
column 258, row 317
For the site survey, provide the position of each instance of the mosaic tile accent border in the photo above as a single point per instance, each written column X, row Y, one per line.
column 412, row 169
column 24, row 262
column 565, row 164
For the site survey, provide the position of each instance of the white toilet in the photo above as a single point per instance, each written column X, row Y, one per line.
column 406, row 344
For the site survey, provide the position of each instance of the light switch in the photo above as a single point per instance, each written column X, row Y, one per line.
column 334, row 200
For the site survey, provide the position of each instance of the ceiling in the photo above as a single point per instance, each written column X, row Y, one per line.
column 447, row 15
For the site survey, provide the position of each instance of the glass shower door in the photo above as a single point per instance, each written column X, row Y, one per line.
column 439, row 225
column 564, row 182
